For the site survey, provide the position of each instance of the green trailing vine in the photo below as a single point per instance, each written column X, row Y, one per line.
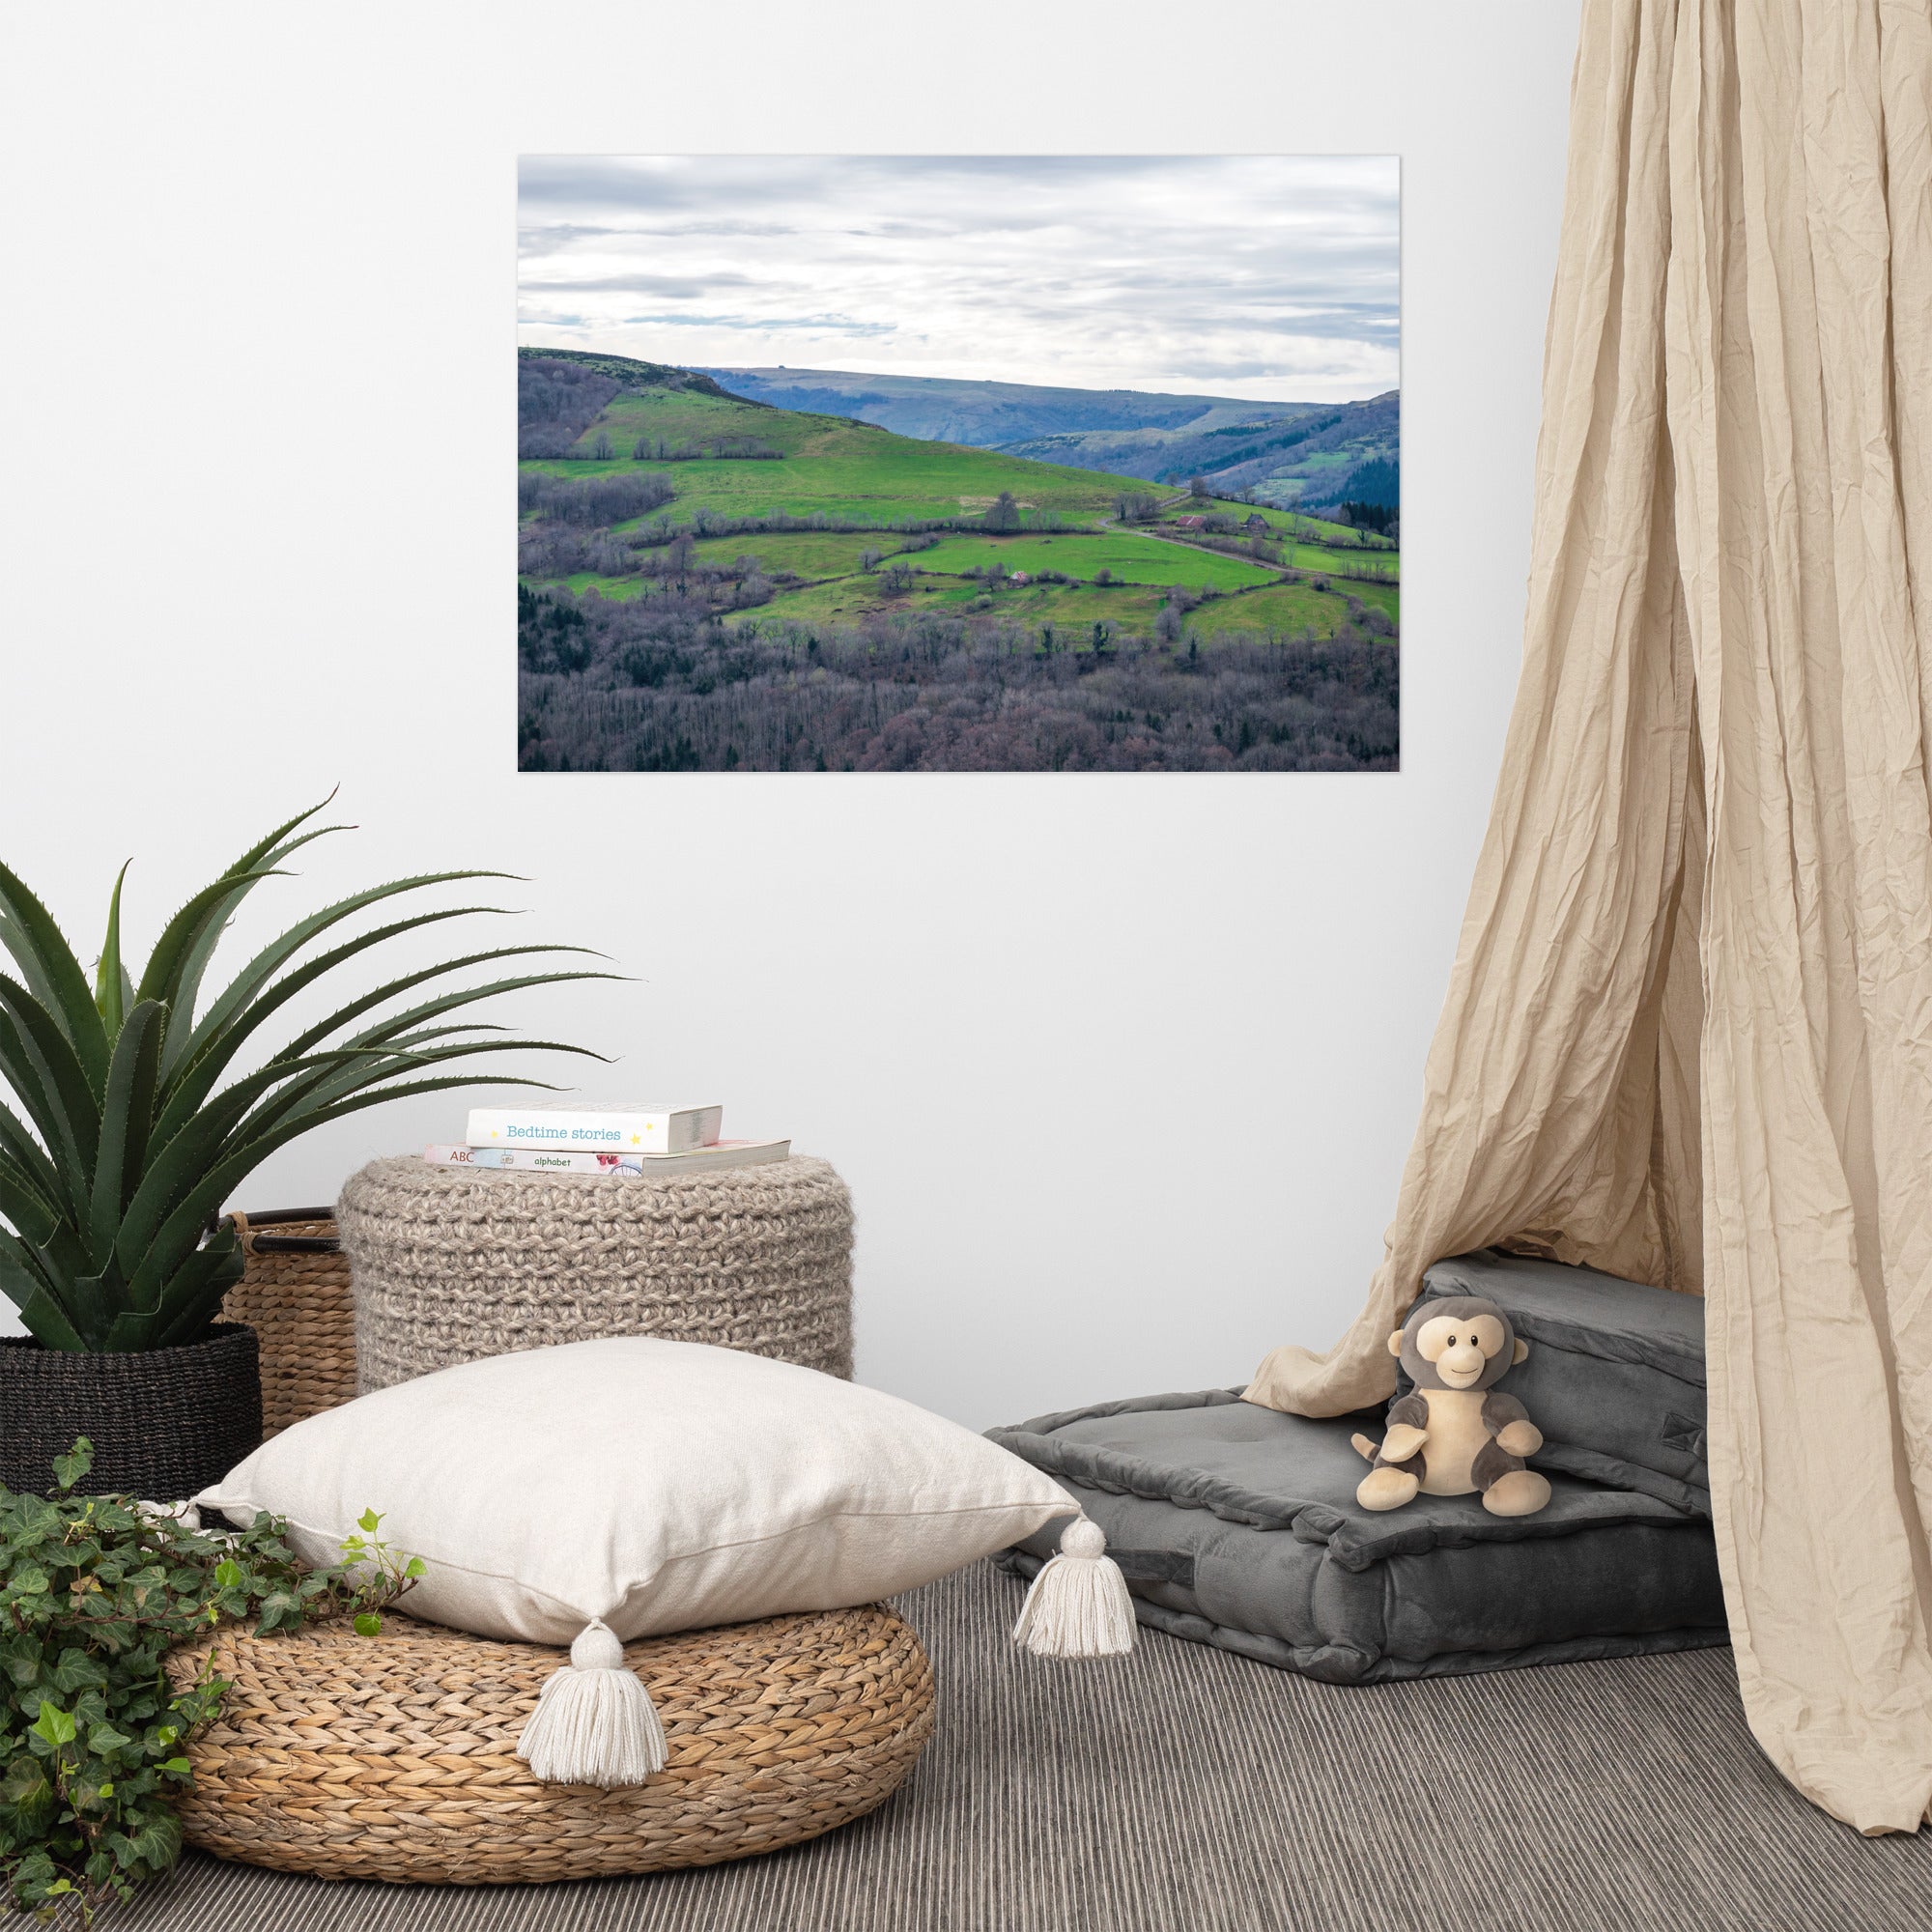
column 95, row 1591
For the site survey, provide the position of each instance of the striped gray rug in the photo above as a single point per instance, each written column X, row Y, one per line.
column 1188, row 1791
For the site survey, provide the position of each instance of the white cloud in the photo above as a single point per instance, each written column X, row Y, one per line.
column 1268, row 276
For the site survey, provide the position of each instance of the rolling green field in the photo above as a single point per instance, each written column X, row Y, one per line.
column 811, row 554
column 1134, row 559
column 838, row 588
column 1273, row 610
column 852, row 471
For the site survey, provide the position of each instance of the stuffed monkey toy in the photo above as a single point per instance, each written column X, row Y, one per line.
column 1455, row 1434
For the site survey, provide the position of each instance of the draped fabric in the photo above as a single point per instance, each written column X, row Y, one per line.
column 1689, row 1031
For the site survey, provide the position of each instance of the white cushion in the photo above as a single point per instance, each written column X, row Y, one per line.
column 655, row 1486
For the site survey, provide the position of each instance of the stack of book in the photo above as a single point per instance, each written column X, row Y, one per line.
column 602, row 1140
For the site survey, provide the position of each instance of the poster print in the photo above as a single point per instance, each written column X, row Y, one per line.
column 958, row 464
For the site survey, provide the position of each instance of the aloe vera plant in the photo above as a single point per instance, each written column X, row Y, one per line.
column 124, row 1141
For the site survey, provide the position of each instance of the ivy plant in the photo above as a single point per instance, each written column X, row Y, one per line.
column 95, row 1591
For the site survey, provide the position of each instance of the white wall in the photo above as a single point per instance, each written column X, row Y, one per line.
column 1122, row 1069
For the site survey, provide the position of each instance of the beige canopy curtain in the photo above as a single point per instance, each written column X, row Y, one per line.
column 1688, row 1033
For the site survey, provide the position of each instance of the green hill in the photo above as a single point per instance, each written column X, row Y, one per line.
column 710, row 444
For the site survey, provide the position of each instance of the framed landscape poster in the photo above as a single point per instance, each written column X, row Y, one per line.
column 958, row 464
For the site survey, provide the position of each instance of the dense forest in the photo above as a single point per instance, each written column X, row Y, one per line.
column 660, row 684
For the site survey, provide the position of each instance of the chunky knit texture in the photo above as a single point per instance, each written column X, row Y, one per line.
column 454, row 1264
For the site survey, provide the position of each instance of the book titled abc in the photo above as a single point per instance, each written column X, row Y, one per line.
column 555, row 1160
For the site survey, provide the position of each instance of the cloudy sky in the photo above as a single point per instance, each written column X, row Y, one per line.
column 1272, row 277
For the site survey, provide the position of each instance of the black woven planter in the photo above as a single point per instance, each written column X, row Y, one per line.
column 164, row 1423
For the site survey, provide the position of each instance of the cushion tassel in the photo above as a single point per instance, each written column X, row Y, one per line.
column 1078, row 1606
column 594, row 1722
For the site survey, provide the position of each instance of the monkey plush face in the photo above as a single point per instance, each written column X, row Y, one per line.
column 1456, row 1342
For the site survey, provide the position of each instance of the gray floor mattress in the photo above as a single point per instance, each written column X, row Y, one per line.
column 1615, row 1374
column 1238, row 1526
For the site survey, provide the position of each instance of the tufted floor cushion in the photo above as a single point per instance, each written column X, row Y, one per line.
column 1237, row 1525
column 1615, row 1373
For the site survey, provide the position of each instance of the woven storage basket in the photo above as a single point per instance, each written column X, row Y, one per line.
column 163, row 1422
column 295, row 1296
column 394, row 1756
column 457, row 1263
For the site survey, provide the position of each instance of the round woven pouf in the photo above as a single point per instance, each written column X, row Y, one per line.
column 394, row 1756
column 452, row 1264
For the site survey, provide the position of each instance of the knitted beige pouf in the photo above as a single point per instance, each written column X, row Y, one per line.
column 453, row 1263
column 394, row 1756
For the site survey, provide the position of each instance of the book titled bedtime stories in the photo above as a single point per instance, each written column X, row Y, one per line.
column 633, row 1129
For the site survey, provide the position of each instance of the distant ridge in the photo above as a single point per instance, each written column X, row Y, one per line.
column 1324, row 456
column 1317, row 454
column 945, row 408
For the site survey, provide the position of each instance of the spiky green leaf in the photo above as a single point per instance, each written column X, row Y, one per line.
column 272, row 957
column 127, row 1112
column 47, row 965
column 110, row 977
column 194, row 1078
column 49, row 1072
column 265, row 856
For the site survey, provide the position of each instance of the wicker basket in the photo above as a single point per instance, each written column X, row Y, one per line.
column 394, row 1756
column 163, row 1422
column 295, row 1296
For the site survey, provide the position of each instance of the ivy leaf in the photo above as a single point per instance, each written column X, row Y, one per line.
column 176, row 1767
column 75, row 1670
column 53, row 1724
column 24, row 1783
column 155, row 1845
column 21, row 1660
column 416, row 1567
column 85, row 1795
column 104, row 1739
column 369, row 1521
column 279, row 1607
column 69, row 1469
column 228, row 1574
column 368, row 1624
